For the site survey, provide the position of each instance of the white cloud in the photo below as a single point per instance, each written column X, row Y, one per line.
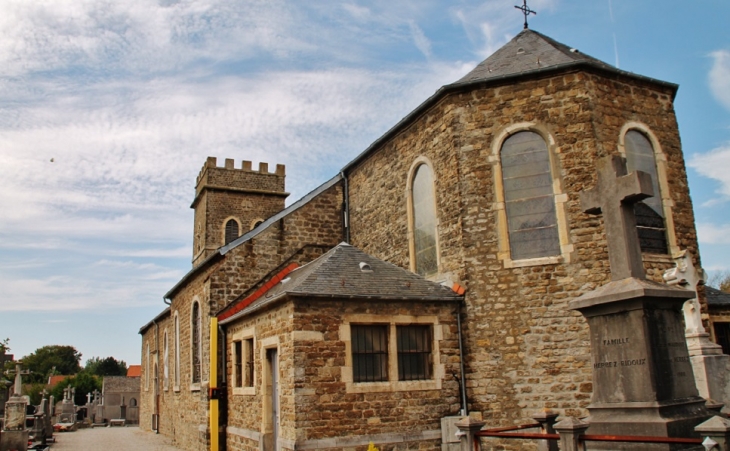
column 420, row 40
column 720, row 77
column 708, row 233
column 714, row 164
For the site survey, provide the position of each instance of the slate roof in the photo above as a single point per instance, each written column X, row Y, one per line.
column 527, row 52
column 346, row 272
column 717, row 298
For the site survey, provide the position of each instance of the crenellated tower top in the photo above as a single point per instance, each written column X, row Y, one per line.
column 229, row 201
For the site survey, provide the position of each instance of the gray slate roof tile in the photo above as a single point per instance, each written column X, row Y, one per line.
column 527, row 52
column 717, row 298
column 343, row 272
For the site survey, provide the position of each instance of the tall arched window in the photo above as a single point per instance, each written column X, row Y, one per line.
column 196, row 342
column 231, row 230
column 425, row 244
column 649, row 212
column 147, row 369
column 529, row 198
column 166, row 362
column 177, row 350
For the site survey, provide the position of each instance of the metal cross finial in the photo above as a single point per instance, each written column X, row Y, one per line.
column 525, row 10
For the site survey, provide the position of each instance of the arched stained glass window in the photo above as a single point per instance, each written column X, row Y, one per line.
column 529, row 197
column 424, row 222
column 196, row 342
column 649, row 212
column 231, row 230
column 166, row 362
column 177, row 350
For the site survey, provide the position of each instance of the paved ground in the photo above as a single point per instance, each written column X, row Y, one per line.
column 111, row 439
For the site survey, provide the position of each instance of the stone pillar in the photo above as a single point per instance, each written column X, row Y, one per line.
column 709, row 364
column 468, row 427
column 547, row 420
column 717, row 429
column 570, row 430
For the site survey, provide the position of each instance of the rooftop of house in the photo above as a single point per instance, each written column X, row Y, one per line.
column 717, row 298
column 346, row 272
column 134, row 371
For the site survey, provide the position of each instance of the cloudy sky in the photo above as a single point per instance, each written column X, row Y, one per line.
column 108, row 110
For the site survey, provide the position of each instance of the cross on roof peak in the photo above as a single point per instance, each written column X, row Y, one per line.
column 525, row 10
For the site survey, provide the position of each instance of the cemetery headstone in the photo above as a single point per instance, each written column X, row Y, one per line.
column 642, row 377
column 14, row 435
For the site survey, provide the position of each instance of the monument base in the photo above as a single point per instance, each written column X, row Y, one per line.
column 677, row 418
column 14, row 440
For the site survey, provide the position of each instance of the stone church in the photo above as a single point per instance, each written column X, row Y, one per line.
column 428, row 279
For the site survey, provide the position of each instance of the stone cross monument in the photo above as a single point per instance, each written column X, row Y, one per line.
column 614, row 196
column 14, row 435
column 642, row 377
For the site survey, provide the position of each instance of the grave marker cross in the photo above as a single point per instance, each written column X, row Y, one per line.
column 614, row 196
column 17, row 389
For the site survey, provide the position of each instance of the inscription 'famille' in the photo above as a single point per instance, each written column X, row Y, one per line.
column 616, row 341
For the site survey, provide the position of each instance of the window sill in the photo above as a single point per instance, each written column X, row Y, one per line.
column 393, row 386
column 244, row 391
column 176, row 389
column 533, row 261
column 195, row 387
column 658, row 258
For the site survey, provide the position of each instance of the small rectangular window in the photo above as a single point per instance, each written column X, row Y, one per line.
column 414, row 352
column 369, row 353
column 237, row 362
column 248, row 362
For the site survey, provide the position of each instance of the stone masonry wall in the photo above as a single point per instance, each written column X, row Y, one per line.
column 224, row 193
column 525, row 350
column 183, row 412
column 316, row 406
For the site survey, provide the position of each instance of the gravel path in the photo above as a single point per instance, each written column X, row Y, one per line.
column 111, row 439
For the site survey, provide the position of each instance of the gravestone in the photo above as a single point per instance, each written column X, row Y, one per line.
column 14, row 435
column 68, row 409
column 642, row 377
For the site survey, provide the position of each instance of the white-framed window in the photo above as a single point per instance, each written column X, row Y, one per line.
column 391, row 353
column 642, row 151
column 529, row 200
column 196, row 344
column 147, row 368
column 177, row 352
column 422, row 219
column 232, row 230
column 165, row 362
column 243, row 374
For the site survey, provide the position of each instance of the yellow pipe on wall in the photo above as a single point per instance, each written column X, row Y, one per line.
column 213, row 407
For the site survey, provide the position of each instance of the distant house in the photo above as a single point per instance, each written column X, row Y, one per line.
column 54, row 380
column 134, row 371
column 121, row 398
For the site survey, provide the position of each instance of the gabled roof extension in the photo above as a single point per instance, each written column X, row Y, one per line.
column 346, row 272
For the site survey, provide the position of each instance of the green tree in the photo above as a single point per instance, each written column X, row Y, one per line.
column 106, row 367
column 83, row 382
column 65, row 360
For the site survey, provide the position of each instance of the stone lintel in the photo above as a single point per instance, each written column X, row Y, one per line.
column 630, row 289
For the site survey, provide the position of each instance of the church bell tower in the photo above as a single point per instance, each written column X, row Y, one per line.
column 229, row 202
